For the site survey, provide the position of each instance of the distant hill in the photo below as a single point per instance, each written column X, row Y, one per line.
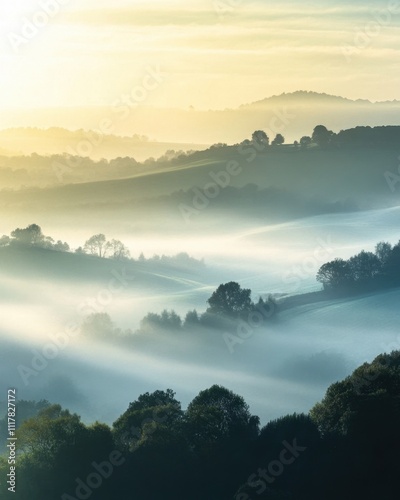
column 276, row 184
column 33, row 263
column 302, row 96
column 292, row 114
column 58, row 140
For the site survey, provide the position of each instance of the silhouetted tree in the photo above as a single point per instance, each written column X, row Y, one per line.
column 99, row 326
column 260, row 137
column 96, row 245
column 278, row 141
column 31, row 235
column 191, row 319
column 117, row 250
column 158, row 407
column 305, row 141
column 364, row 266
column 334, row 274
column 383, row 251
column 348, row 403
column 217, row 414
column 166, row 320
column 321, row 135
column 230, row 300
column 5, row 241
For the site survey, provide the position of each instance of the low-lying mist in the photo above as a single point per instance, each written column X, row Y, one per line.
column 282, row 367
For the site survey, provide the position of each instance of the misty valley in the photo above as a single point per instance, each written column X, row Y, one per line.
column 212, row 316
column 199, row 250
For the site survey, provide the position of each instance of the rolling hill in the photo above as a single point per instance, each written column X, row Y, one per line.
column 291, row 114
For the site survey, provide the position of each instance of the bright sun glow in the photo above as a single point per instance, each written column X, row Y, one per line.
column 12, row 14
column 210, row 56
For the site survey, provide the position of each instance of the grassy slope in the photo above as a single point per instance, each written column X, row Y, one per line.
column 31, row 263
column 329, row 175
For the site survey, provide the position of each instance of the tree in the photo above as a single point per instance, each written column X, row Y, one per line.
column 118, row 250
column 349, row 402
column 334, row 274
column 153, row 399
column 96, row 245
column 260, row 137
column 218, row 414
column 279, row 140
column 230, row 300
column 144, row 415
column 305, row 141
column 61, row 246
column 5, row 241
column 100, row 326
column 321, row 135
column 383, row 251
column 364, row 266
column 31, row 235
column 56, row 446
column 392, row 266
column 191, row 319
column 153, row 322
column 46, row 436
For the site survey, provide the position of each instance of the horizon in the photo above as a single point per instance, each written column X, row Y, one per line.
column 312, row 93
column 203, row 56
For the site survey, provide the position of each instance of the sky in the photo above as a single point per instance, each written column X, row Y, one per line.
column 209, row 54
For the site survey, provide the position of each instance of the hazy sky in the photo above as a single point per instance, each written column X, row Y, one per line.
column 213, row 54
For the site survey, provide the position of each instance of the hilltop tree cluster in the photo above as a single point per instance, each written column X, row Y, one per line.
column 323, row 138
column 363, row 271
column 32, row 236
column 97, row 246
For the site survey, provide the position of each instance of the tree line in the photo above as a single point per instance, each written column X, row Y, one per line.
column 364, row 271
column 228, row 305
column 322, row 137
column 97, row 245
column 346, row 447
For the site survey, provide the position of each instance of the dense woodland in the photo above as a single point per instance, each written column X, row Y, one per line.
column 346, row 447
